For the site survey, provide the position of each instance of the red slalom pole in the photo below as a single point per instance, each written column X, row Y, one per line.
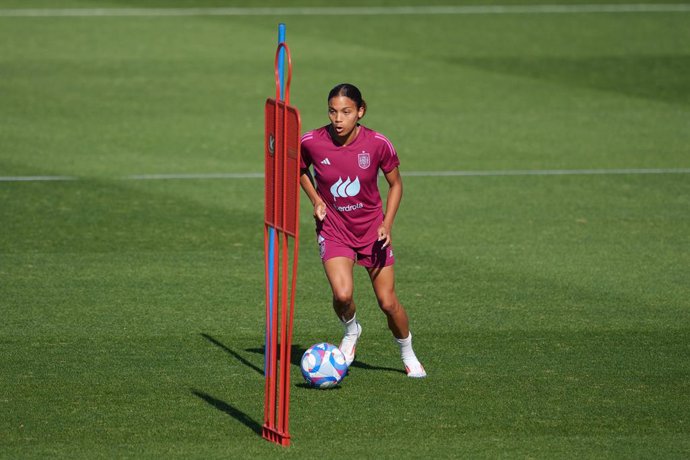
column 282, row 159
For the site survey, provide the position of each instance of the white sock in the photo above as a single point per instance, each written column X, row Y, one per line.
column 349, row 342
column 412, row 365
column 350, row 325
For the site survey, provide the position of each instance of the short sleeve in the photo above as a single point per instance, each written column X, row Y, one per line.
column 305, row 156
column 389, row 157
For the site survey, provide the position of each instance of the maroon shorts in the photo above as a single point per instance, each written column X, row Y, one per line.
column 373, row 255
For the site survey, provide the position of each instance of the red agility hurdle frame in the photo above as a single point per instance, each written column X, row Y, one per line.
column 282, row 161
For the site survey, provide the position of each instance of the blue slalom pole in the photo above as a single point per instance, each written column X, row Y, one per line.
column 271, row 230
column 281, row 60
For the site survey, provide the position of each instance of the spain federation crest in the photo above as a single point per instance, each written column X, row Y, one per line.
column 364, row 160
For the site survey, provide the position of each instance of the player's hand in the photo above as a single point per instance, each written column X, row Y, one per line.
column 384, row 235
column 320, row 210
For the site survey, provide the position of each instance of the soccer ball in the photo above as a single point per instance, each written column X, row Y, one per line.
column 323, row 365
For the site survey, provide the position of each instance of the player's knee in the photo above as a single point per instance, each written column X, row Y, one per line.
column 342, row 297
column 389, row 304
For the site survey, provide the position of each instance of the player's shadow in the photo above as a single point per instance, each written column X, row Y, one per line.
column 362, row 365
column 297, row 352
column 230, row 410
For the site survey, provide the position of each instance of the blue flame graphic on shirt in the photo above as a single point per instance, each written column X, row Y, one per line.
column 345, row 189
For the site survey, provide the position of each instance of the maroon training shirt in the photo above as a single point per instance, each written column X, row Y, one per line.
column 347, row 181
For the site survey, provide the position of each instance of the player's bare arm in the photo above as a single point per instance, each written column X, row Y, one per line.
column 308, row 187
column 392, row 204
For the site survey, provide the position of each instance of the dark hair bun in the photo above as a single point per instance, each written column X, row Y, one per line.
column 351, row 91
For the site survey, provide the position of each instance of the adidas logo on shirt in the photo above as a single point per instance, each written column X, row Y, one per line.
column 325, row 162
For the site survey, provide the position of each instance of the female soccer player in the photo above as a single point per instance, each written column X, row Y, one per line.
column 350, row 222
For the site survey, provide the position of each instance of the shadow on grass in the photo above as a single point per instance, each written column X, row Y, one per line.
column 306, row 386
column 295, row 357
column 230, row 410
column 295, row 353
column 298, row 351
column 362, row 365
column 233, row 353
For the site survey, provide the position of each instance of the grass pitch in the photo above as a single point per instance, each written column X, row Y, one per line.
column 550, row 310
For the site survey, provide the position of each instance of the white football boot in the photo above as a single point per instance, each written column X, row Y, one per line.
column 349, row 343
column 413, row 367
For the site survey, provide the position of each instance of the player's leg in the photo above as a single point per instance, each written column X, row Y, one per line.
column 339, row 274
column 383, row 282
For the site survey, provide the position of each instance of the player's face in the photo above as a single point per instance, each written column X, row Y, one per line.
column 344, row 115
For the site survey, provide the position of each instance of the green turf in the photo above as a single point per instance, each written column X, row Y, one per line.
column 551, row 312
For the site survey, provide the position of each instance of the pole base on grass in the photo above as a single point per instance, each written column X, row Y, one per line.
column 275, row 436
